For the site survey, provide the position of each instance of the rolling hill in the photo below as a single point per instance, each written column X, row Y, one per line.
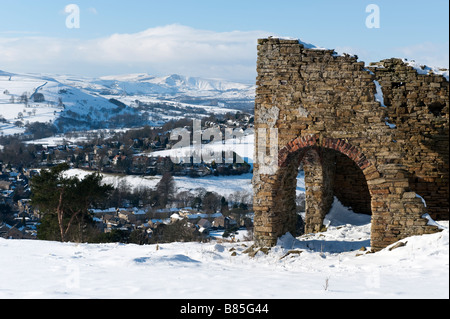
column 78, row 103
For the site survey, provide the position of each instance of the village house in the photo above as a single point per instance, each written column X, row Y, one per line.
column 5, row 185
column 24, row 206
column 223, row 222
column 12, row 232
column 118, row 158
column 132, row 216
column 140, row 160
column 175, row 217
column 204, row 225
column 127, row 216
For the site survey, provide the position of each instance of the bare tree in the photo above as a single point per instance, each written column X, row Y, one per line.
column 211, row 202
column 24, row 98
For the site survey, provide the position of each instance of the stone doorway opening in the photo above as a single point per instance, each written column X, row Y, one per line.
column 386, row 196
column 324, row 177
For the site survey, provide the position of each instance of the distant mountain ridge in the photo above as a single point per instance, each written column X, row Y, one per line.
column 171, row 85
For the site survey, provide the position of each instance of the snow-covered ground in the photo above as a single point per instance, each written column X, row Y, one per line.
column 327, row 265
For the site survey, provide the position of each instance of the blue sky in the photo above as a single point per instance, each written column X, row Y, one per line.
column 209, row 38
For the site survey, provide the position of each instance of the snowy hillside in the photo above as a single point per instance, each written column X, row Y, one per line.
column 32, row 98
column 219, row 95
column 80, row 103
column 328, row 265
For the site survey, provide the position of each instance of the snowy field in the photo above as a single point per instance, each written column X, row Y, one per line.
column 243, row 146
column 223, row 185
column 329, row 265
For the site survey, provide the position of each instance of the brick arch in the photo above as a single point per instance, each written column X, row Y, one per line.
column 355, row 154
column 386, row 227
column 295, row 151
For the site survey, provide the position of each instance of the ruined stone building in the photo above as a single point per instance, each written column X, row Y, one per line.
column 376, row 137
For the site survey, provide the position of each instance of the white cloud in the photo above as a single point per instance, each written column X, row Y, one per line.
column 161, row 50
column 92, row 10
column 428, row 53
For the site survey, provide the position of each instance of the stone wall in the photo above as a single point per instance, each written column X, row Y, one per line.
column 326, row 115
column 419, row 106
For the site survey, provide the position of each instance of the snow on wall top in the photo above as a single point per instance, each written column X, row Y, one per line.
column 424, row 69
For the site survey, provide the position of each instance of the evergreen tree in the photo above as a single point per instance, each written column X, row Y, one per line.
column 165, row 190
column 6, row 214
column 65, row 201
column 223, row 205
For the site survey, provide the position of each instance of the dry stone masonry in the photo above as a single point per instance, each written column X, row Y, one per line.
column 376, row 137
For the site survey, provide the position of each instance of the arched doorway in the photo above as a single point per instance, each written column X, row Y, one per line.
column 332, row 168
column 396, row 211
